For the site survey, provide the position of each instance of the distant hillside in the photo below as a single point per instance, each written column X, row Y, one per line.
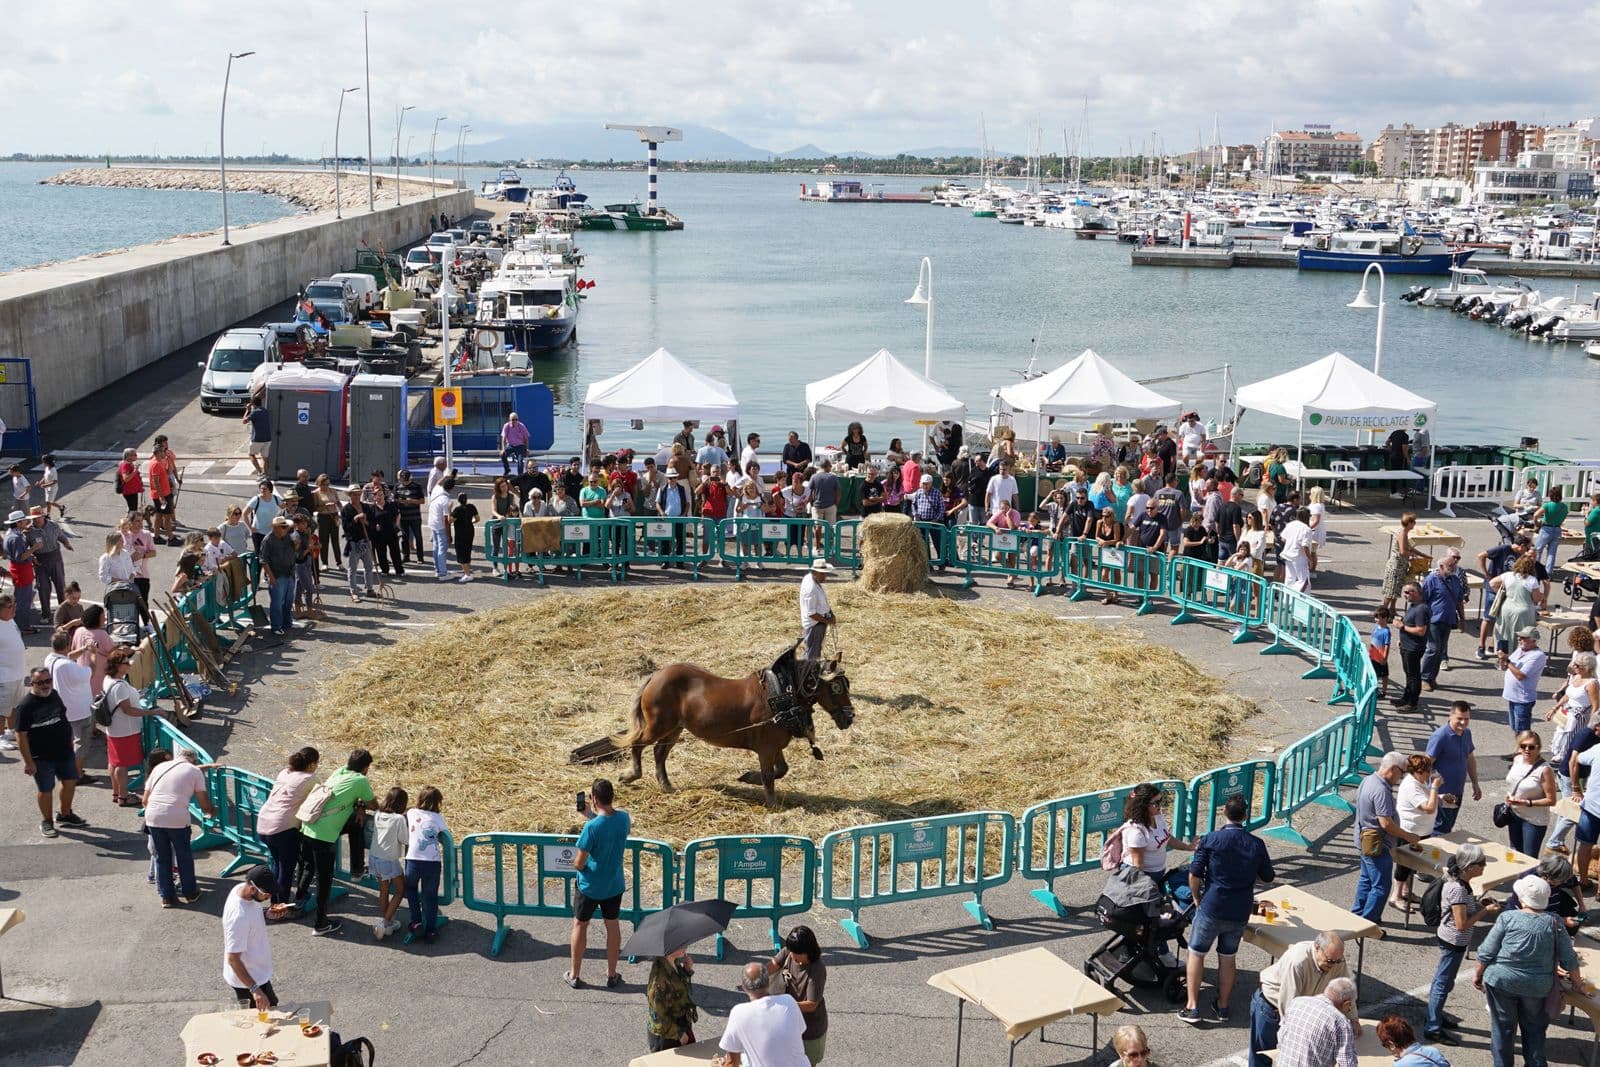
column 591, row 140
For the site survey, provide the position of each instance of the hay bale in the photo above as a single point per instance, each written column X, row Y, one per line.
column 894, row 555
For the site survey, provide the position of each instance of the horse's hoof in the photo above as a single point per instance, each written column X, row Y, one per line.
column 751, row 778
column 666, row 787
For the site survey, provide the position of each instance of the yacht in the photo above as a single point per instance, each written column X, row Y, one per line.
column 507, row 185
column 1398, row 252
column 532, row 300
column 1465, row 282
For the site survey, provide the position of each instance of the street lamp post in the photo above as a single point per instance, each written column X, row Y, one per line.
column 337, row 118
column 399, row 121
column 461, row 136
column 1364, row 302
column 222, row 141
column 433, row 190
column 923, row 297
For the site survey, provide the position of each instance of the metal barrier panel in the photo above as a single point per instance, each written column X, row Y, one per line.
column 502, row 544
column 532, row 874
column 1256, row 781
column 1201, row 588
column 681, row 541
column 1117, row 570
column 1065, row 836
column 238, row 795
column 758, row 542
column 1577, row 480
column 916, row 859
column 1301, row 622
column 1490, row 484
column 1309, row 771
column 844, row 543
column 1029, row 554
column 767, row 876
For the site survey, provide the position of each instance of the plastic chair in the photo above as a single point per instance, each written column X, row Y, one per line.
column 1346, row 469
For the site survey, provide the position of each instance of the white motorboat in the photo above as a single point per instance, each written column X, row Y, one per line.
column 1579, row 322
column 1464, row 282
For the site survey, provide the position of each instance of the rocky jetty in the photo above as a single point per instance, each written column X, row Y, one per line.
column 309, row 190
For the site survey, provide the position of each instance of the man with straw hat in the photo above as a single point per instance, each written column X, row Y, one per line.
column 19, row 548
column 815, row 614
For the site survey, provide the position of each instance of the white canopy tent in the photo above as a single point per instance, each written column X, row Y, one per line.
column 659, row 388
column 881, row 389
column 1086, row 387
column 1335, row 392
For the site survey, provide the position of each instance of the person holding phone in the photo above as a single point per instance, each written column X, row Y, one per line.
column 598, row 864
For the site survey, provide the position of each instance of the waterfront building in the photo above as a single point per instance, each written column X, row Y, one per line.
column 1311, row 151
column 1535, row 175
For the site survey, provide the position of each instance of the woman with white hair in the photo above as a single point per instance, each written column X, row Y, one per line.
column 1459, row 912
column 1572, row 711
column 1516, row 969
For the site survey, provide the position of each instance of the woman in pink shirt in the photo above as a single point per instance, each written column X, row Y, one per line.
column 141, row 549
column 1005, row 518
column 91, row 645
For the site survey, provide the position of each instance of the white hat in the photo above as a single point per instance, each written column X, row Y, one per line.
column 1532, row 892
column 671, row 473
column 927, row 479
column 822, row 566
column 17, row 516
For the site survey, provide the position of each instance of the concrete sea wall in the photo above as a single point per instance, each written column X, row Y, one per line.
column 86, row 323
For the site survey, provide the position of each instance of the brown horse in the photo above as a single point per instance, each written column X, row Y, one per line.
column 726, row 713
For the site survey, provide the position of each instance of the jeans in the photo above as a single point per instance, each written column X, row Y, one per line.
column 1263, row 1031
column 284, row 848
column 1507, row 1014
column 1563, row 826
column 305, row 583
column 422, row 893
column 1525, row 836
column 1411, row 663
column 322, row 856
column 441, row 551
column 411, row 538
column 280, row 600
column 172, row 847
column 1545, row 544
column 328, row 534
column 1438, row 649
column 1445, row 820
column 24, row 596
column 516, row 453
column 1372, row 888
column 1520, row 716
column 358, row 554
column 1444, row 980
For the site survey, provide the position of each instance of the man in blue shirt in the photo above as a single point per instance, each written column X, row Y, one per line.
column 1445, row 593
column 1227, row 865
column 598, row 864
column 1451, row 749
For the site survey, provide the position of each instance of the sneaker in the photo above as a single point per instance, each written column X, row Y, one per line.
column 1481, row 654
column 394, row 925
column 355, row 598
column 464, row 579
column 1429, row 687
column 613, row 981
column 572, row 980
column 1221, row 1012
column 1190, row 1016
column 192, row 897
column 71, row 818
column 332, row 926
column 381, row 930
column 48, row 828
column 1445, row 665
column 8, row 741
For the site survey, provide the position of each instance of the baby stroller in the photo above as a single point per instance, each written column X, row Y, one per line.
column 124, row 612
column 1141, row 918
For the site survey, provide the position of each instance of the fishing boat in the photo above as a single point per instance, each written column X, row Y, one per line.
column 1465, row 282
column 507, row 185
column 1399, row 252
column 535, row 309
column 560, row 195
column 629, row 217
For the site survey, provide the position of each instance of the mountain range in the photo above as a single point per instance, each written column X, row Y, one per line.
column 592, row 141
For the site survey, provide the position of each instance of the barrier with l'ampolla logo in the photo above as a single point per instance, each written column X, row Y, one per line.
column 1310, row 772
column 767, row 876
column 533, row 875
column 760, row 542
column 1067, row 835
column 1301, row 623
column 1255, row 780
column 1205, row 589
column 916, row 859
column 1118, row 570
column 678, row 541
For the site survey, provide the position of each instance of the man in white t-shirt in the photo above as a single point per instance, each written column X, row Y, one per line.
column 1002, row 487
column 246, row 951
column 71, row 681
column 13, row 670
column 439, row 526
column 752, row 451
column 815, row 614
column 766, row 1028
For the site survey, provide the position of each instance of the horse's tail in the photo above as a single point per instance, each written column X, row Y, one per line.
column 608, row 749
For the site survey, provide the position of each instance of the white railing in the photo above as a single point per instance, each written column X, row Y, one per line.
column 1489, row 484
column 1577, row 480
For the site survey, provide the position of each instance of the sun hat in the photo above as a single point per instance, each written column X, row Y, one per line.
column 927, row 479
column 1532, row 892
column 1532, row 633
column 16, row 517
column 671, row 472
column 822, row 566
column 282, row 520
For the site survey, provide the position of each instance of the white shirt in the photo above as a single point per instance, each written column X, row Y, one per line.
column 215, row 554
column 1001, row 487
column 1409, row 796
column 71, row 680
column 1296, row 535
column 1152, row 841
column 813, row 601
column 13, row 653
column 766, row 1032
column 116, row 567
column 435, row 476
column 1257, row 541
column 119, row 691
column 439, row 511
column 747, row 457
column 244, row 930
column 422, row 835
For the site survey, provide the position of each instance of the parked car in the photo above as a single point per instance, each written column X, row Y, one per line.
column 421, row 259
column 481, row 228
column 458, row 236
column 325, row 291
column 297, row 341
column 363, row 286
column 226, row 371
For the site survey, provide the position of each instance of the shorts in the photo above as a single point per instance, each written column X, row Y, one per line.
column 246, row 1000
column 46, row 772
column 11, row 692
column 163, row 505
column 260, row 448
column 383, row 870
column 1226, row 933
column 82, row 734
column 828, row 514
column 1380, row 669
column 583, row 907
column 1588, row 831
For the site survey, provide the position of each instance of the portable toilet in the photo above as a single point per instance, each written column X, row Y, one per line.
column 377, row 425
column 306, row 407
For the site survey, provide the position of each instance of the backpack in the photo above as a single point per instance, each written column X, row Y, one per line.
column 357, row 1052
column 1433, row 903
column 1111, row 850
column 119, row 479
column 101, row 710
column 315, row 805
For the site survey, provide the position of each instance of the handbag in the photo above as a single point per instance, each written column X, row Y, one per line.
column 1499, row 599
column 1502, row 811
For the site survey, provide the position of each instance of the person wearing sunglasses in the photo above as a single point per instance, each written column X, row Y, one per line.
column 1131, row 1047
column 44, row 739
column 1304, row 970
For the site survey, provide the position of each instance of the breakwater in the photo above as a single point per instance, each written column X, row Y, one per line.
column 86, row 323
column 311, row 190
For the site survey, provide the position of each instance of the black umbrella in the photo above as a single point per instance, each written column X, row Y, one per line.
column 683, row 924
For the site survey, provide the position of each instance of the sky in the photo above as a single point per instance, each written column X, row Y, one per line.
column 89, row 76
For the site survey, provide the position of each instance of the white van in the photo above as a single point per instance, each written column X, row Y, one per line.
column 364, row 286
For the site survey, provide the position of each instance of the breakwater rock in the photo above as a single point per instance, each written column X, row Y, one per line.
column 309, row 190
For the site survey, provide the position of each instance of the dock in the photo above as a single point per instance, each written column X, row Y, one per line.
column 1219, row 258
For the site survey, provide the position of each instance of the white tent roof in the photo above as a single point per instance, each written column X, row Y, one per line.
column 660, row 388
column 1089, row 388
column 881, row 387
column 1335, row 391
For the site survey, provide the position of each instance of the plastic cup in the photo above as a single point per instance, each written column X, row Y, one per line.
column 263, row 1018
column 1434, row 853
column 1272, row 917
column 1511, row 857
column 1287, row 906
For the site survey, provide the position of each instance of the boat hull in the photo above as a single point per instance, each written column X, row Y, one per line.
column 539, row 336
column 1440, row 263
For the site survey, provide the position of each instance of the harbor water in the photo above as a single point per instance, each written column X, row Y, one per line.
column 769, row 293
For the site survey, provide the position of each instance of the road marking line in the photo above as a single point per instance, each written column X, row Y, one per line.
column 100, row 466
column 241, row 469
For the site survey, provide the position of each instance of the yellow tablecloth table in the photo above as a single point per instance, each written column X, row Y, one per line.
column 699, row 1052
column 1368, row 1052
column 9, row 917
column 1588, row 1001
column 1436, row 852
column 1026, row 991
column 228, row 1033
column 1301, row 917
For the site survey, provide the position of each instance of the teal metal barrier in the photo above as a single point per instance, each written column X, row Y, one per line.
column 449, row 880
column 1065, row 836
column 844, row 544
column 768, row 877
column 1029, row 554
column 1255, row 781
column 591, row 542
column 1301, row 623
column 1351, row 667
column 502, row 545
column 681, row 541
column 1120, row 571
column 781, row 542
column 532, row 874
column 917, row 859
column 1201, row 588
column 238, row 795
column 1309, row 772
